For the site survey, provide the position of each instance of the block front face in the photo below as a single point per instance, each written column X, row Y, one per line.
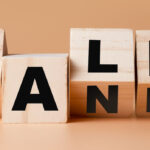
column 116, row 55
column 143, row 54
column 1, row 41
column 142, row 100
column 1, row 54
column 48, row 76
column 116, row 47
column 78, row 100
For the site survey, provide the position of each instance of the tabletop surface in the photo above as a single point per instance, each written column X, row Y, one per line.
column 78, row 134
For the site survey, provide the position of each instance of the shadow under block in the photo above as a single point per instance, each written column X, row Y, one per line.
column 116, row 47
column 1, row 54
column 40, row 82
column 143, row 59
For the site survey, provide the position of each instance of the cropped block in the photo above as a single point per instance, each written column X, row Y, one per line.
column 1, row 42
column 1, row 54
column 102, row 80
column 35, row 88
column 143, row 73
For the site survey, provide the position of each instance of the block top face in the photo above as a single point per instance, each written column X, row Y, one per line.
column 53, row 55
column 116, row 48
column 143, row 51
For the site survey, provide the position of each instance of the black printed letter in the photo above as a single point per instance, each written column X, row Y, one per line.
column 45, row 95
column 110, row 105
column 94, row 59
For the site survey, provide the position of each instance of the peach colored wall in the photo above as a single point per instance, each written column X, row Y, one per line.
column 43, row 26
column 34, row 26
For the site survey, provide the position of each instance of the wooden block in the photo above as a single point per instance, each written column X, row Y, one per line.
column 1, row 41
column 102, row 72
column 143, row 76
column 35, row 88
column 1, row 54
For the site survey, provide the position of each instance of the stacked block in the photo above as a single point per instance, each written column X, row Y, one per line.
column 143, row 73
column 35, row 88
column 102, row 72
column 1, row 54
column 1, row 41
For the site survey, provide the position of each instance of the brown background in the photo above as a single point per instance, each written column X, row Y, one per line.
column 34, row 26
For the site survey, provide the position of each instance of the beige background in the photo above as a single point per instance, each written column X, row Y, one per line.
column 34, row 26
column 43, row 25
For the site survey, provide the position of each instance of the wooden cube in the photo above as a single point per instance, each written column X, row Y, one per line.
column 35, row 88
column 1, row 54
column 1, row 42
column 143, row 73
column 102, row 80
